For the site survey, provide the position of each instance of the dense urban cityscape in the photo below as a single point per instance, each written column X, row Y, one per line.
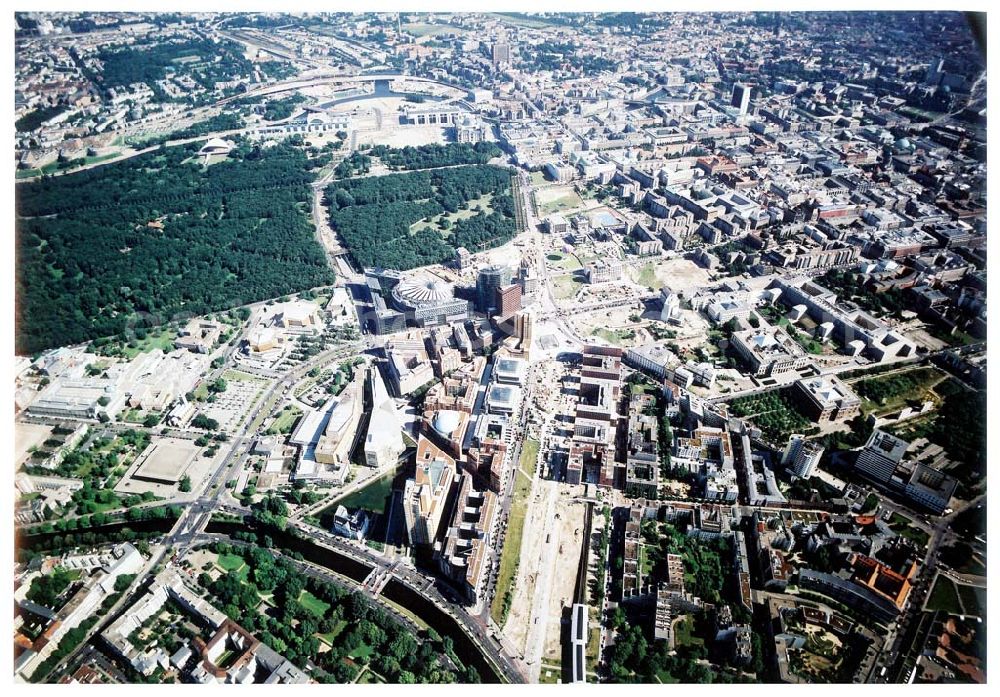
column 500, row 348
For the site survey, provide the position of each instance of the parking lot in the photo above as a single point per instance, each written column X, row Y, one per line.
column 232, row 406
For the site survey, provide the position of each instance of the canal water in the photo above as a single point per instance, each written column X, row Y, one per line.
column 44, row 540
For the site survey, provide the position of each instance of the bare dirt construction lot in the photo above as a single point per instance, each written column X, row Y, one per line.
column 693, row 329
column 683, row 276
column 923, row 338
column 530, row 568
column 614, row 325
column 547, row 573
column 398, row 136
column 568, row 535
column 27, row 436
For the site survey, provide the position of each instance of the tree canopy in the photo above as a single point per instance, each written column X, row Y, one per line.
column 373, row 215
column 357, row 630
column 159, row 237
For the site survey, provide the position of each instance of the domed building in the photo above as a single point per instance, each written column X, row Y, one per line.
column 446, row 421
column 413, row 292
column 903, row 145
column 428, row 301
column 469, row 129
column 447, row 429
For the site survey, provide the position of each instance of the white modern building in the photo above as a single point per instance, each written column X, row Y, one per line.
column 801, row 457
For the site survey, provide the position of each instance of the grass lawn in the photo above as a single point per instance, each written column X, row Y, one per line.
column 370, row 677
column 614, row 336
column 286, row 420
column 529, row 456
column 810, row 345
column 557, row 199
column 233, row 562
column 511, row 546
column 214, row 160
column 252, row 428
column 588, row 258
column 944, row 596
column 898, row 519
column 326, row 170
column 566, row 286
column 666, row 678
column 897, row 389
column 133, row 416
column 330, row 636
column 363, row 651
column 901, row 526
column 37, row 171
column 419, row 29
column 973, row 599
column 570, row 263
column 238, row 376
column 915, row 535
column 566, row 262
column 594, row 641
column 100, row 158
column 645, row 563
column 227, row 658
column 313, row 604
column 162, row 339
column 115, row 502
column 538, row 178
column 230, row 562
column 549, row 675
column 647, row 277
column 530, row 22
column 913, row 111
column 682, row 633
column 483, row 201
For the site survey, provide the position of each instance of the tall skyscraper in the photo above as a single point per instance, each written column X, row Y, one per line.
column 741, row 97
column 508, row 300
column 523, row 323
column 934, row 71
column 801, row 456
column 424, row 499
column 501, row 51
column 488, row 282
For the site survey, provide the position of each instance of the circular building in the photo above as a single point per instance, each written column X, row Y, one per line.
column 446, row 421
column 429, row 301
column 412, row 293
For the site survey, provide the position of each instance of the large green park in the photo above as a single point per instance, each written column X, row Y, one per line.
column 158, row 237
column 420, row 217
